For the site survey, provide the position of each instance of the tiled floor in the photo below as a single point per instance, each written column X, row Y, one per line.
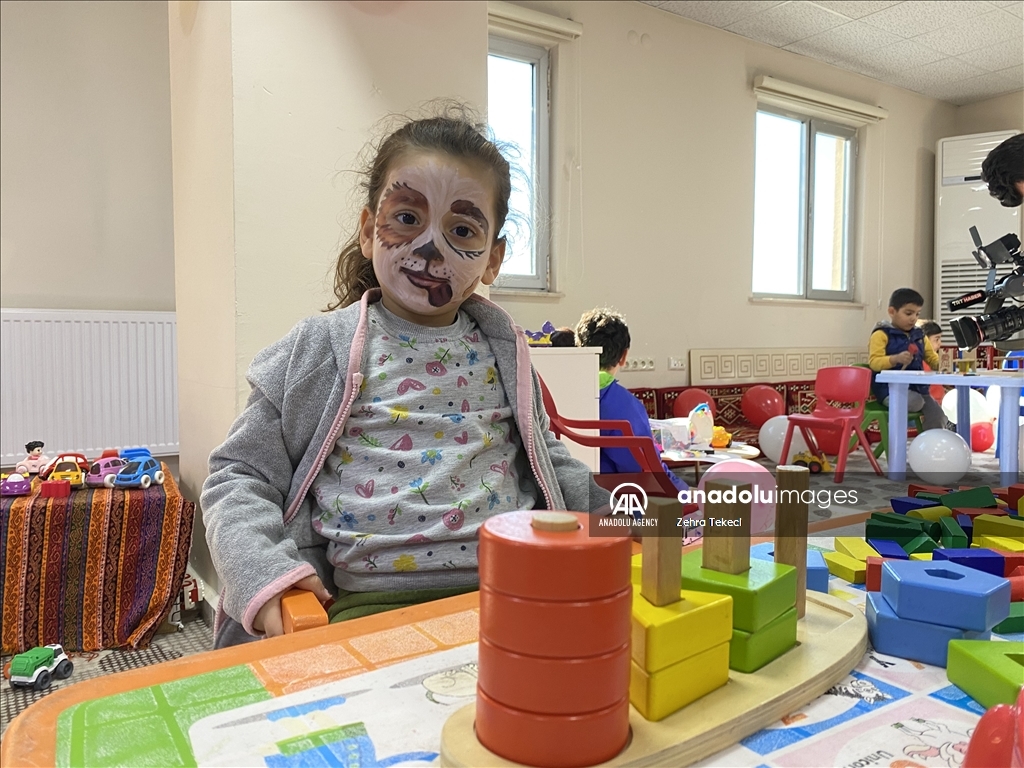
column 194, row 638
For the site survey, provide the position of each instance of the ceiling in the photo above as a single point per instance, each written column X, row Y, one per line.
column 957, row 51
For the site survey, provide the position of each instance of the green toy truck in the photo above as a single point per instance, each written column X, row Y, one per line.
column 36, row 668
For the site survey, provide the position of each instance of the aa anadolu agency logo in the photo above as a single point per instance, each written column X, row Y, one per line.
column 628, row 499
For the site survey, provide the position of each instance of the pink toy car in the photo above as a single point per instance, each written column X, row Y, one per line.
column 103, row 471
column 15, row 485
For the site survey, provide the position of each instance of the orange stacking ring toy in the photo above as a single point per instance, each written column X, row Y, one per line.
column 555, row 609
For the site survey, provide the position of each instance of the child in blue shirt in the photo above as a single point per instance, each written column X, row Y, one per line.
column 607, row 329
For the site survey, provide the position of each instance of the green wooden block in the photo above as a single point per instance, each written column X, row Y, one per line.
column 749, row 651
column 989, row 671
column 930, row 527
column 920, row 544
column 953, row 536
column 759, row 595
column 975, row 498
column 932, row 496
column 1013, row 623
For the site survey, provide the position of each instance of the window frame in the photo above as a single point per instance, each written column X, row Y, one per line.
column 811, row 127
column 539, row 187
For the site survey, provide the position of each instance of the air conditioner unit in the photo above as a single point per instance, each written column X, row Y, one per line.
column 962, row 201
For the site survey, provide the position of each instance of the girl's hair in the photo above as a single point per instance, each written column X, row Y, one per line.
column 604, row 328
column 931, row 328
column 563, row 337
column 456, row 133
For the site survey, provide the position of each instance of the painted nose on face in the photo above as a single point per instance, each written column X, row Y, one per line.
column 428, row 252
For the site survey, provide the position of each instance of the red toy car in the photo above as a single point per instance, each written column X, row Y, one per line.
column 78, row 458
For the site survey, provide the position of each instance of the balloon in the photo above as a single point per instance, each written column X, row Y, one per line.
column 689, row 399
column 760, row 403
column 762, row 485
column 938, row 392
column 983, row 436
column 992, row 399
column 939, row 457
column 773, row 434
column 979, row 408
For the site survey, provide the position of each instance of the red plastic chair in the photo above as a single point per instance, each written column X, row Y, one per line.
column 689, row 399
column 652, row 476
column 843, row 384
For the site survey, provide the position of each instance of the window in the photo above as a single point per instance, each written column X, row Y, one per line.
column 803, row 207
column 517, row 113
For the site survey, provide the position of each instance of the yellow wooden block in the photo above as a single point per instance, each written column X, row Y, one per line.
column 999, row 542
column 930, row 513
column 845, row 567
column 635, row 568
column 656, row 695
column 999, row 525
column 921, row 556
column 666, row 635
column 856, row 548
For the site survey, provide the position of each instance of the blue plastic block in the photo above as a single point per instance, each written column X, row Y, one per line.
column 817, row 570
column 945, row 593
column 889, row 549
column 903, row 504
column 967, row 523
column 908, row 639
column 980, row 559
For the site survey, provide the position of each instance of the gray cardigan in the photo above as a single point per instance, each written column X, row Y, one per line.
column 255, row 504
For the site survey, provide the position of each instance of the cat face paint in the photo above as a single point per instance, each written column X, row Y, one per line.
column 432, row 235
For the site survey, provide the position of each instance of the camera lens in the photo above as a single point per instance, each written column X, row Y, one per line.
column 966, row 332
column 971, row 331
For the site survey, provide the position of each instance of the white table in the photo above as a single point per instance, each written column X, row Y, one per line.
column 1010, row 383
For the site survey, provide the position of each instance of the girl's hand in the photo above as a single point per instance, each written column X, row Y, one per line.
column 268, row 618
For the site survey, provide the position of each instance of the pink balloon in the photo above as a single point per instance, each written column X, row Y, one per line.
column 762, row 482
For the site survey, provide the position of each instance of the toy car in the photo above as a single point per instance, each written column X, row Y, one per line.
column 140, row 473
column 130, row 454
column 67, row 469
column 34, row 669
column 77, row 458
column 103, row 471
column 15, row 485
column 34, row 462
column 817, row 464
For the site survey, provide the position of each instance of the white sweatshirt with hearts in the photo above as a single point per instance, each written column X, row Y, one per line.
column 430, row 450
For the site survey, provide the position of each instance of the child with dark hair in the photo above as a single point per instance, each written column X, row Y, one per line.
column 607, row 329
column 1003, row 171
column 379, row 436
column 563, row 337
column 933, row 335
column 901, row 345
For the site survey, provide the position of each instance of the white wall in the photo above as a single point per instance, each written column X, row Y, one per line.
column 85, row 156
column 273, row 101
column 666, row 139
column 1000, row 113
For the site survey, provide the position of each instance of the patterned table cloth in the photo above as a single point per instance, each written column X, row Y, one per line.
column 99, row 569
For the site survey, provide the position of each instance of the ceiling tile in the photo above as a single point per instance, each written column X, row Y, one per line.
column 854, row 9
column 716, row 14
column 898, row 57
column 916, row 17
column 973, row 89
column 841, row 43
column 1007, row 53
column 787, row 23
column 937, row 73
column 1017, row 9
column 1003, row 3
column 972, row 33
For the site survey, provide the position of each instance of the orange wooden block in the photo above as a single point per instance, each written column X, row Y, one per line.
column 873, row 579
column 551, row 741
column 55, row 489
column 553, row 686
column 1017, row 585
column 519, row 560
column 556, row 629
column 301, row 610
column 1011, row 561
column 973, row 512
column 915, row 488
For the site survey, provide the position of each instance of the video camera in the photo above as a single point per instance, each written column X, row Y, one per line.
column 997, row 324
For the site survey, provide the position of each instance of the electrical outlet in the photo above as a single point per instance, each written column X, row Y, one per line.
column 677, row 363
column 650, row 363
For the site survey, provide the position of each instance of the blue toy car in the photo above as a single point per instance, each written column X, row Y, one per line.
column 140, row 472
column 130, row 454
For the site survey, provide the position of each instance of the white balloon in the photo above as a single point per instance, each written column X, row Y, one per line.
column 992, row 399
column 939, row 457
column 772, row 435
column 979, row 407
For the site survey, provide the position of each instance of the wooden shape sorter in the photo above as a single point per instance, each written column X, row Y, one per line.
column 832, row 638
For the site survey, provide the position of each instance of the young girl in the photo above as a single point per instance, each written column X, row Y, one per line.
column 379, row 436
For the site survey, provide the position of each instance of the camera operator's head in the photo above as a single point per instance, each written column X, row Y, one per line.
column 1003, row 171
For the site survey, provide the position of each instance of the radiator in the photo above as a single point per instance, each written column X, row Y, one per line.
column 85, row 381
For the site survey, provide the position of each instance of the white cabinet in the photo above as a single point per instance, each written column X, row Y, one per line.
column 571, row 375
